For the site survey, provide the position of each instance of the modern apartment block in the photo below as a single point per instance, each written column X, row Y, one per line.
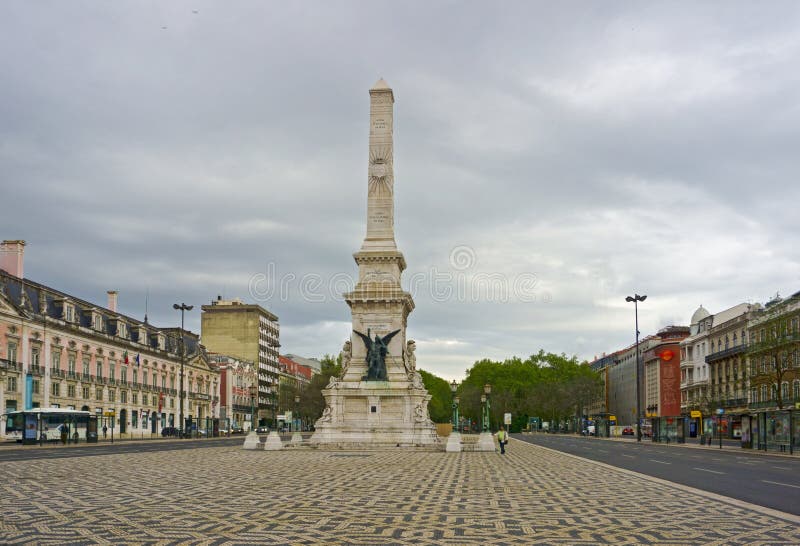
column 248, row 332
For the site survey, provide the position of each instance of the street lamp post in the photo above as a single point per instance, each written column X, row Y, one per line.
column 253, row 395
column 454, row 389
column 487, row 389
column 182, row 308
column 636, row 298
column 296, row 416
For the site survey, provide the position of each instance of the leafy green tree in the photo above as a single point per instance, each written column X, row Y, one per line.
column 440, row 405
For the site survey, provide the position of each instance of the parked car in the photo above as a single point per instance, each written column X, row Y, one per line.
column 169, row 431
column 237, row 430
column 262, row 430
column 627, row 431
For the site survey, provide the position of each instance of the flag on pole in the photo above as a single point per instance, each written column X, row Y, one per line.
column 138, row 361
column 125, row 357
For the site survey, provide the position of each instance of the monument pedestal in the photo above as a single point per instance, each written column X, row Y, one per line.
column 366, row 414
column 273, row 442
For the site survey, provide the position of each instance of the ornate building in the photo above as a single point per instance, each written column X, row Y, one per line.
column 57, row 350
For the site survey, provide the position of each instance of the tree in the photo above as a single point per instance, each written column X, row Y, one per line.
column 441, row 401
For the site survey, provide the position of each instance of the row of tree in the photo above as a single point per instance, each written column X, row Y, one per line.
column 547, row 385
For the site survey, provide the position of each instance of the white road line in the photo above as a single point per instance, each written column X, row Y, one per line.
column 779, row 483
column 781, row 468
column 601, row 451
column 660, row 462
column 630, row 456
column 707, row 470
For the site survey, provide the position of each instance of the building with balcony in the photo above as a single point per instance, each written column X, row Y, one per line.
column 236, row 379
column 694, row 370
column 727, row 368
column 247, row 332
column 57, row 350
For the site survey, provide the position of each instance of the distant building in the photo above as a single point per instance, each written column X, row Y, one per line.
column 294, row 375
column 662, row 374
column 312, row 363
column 247, row 332
column 236, row 378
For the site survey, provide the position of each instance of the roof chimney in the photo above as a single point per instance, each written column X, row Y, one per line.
column 112, row 300
column 11, row 257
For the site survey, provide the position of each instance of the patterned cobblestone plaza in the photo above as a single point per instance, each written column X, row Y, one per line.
column 226, row 495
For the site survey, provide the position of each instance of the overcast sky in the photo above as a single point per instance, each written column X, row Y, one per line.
column 550, row 159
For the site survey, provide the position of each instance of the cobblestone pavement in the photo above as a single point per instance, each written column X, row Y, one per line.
column 227, row 495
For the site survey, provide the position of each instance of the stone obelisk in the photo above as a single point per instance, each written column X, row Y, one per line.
column 365, row 408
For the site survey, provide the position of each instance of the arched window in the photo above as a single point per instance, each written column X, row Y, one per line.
column 784, row 391
column 754, row 395
column 796, row 389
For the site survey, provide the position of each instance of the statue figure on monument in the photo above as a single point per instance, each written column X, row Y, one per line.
column 377, row 349
column 411, row 358
column 347, row 354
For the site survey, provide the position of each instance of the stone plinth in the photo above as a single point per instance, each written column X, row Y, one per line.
column 485, row 442
column 453, row 443
column 252, row 441
column 273, row 442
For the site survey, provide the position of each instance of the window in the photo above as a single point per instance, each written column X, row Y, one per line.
column 163, row 381
column 171, row 402
column 99, row 369
column 796, row 389
column 144, row 378
column 34, row 356
column 69, row 313
column 86, row 367
column 71, row 391
column 71, row 364
column 11, row 385
column 98, row 322
column 37, row 386
column 135, row 398
column 11, row 352
column 112, row 395
column 764, row 396
column 135, row 375
column 55, row 388
column 172, row 382
column 111, row 374
column 784, row 390
column 55, row 360
column 123, row 374
column 121, row 330
column 155, row 380
column 98, row 393
column 123, row 397
column 754, row 395
column 85, row 393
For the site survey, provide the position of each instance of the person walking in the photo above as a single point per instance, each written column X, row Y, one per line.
column 502, row 439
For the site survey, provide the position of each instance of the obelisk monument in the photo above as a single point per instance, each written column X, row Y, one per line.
column 379, row 399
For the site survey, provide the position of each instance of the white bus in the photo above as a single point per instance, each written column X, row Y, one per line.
column 46, row 424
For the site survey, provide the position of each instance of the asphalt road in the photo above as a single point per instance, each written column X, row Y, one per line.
column 21, row 453
column 766, row 480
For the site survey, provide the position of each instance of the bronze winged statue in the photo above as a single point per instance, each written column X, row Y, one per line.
column 377, row 349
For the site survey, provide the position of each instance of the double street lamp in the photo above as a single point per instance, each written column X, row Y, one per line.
column 182, row 308
column 296, row 417
column 487, row 390
column 253, row 396
column 636, row 298
column 454, row 389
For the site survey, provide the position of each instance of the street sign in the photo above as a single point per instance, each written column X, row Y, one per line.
column 694, row 414
column 111, row 413
column 720, row 411
column 507, row 418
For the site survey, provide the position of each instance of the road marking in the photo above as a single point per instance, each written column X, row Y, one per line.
column 660, row 462
column 707, row 470
column 601, row 451
column 630, row 456
column 781, row 468
column 779, row 483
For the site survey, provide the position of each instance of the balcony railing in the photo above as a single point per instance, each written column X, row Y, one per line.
column 58, row 372
column 725, row 353
column 36, row 370
column 10, row 365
